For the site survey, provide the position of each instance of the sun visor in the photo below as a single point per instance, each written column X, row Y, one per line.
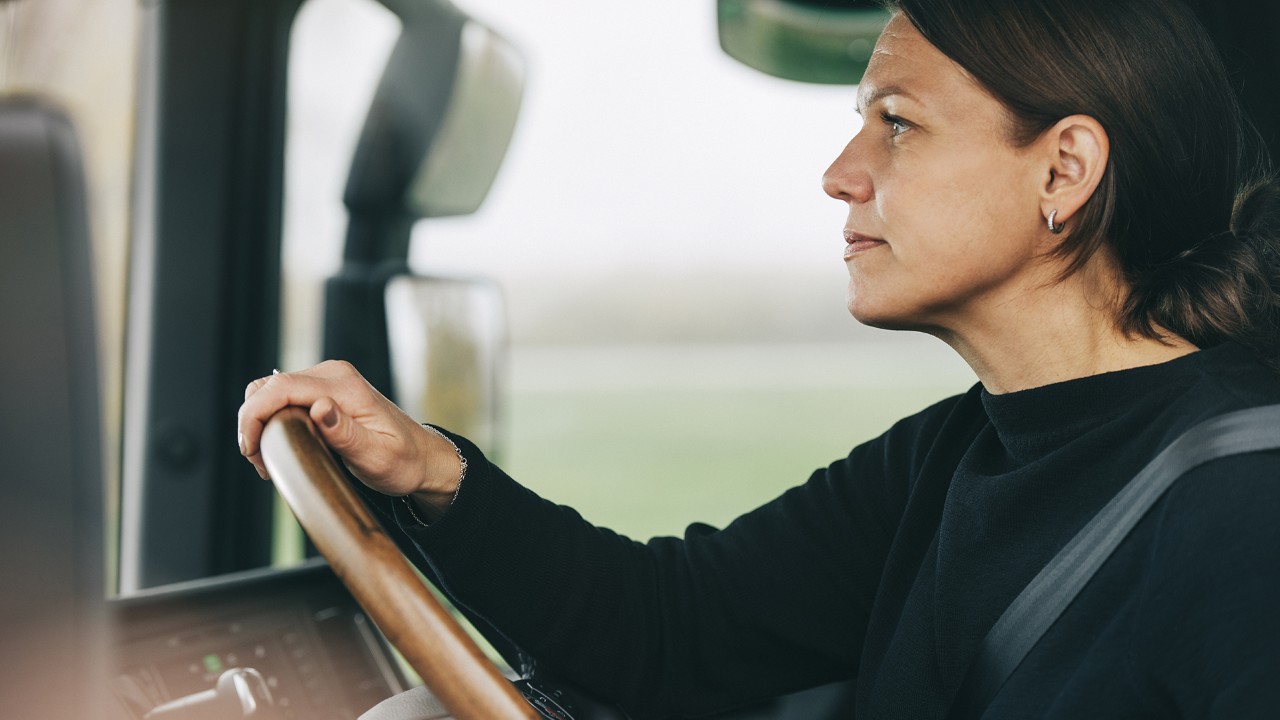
column 476, row 129
column 815, row 42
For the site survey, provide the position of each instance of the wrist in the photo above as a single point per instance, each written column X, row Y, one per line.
column 446, row 468
column 443, row 467
column 425, row 510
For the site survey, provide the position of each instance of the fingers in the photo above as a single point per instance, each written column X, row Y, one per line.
column 259, row 465
column 375, row 439
column 266, row 396
column 258, row 384
column 324, row 390
column 340, row 432
column 373, row 447
column 255, row 458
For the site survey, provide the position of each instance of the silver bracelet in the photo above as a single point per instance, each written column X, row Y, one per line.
column 462, row 475
column 408, row 505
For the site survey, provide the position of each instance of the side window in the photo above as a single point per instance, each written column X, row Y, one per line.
column 679, row 344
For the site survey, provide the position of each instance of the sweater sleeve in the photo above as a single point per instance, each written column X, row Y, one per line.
column 777, row 601
column 1209, row 626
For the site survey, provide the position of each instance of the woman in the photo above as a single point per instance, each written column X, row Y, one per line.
column 1064, row 193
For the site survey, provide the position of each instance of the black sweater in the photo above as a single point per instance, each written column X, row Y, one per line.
column 891, row 564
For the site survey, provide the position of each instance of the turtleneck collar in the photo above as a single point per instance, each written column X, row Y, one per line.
column 1034, row 421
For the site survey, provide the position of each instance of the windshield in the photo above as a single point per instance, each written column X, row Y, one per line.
column 680, row 347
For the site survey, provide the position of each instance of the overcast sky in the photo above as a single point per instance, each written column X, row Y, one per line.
column 641, row 147
column 653, row 181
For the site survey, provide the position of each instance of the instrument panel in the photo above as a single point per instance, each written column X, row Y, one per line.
column 317, row 653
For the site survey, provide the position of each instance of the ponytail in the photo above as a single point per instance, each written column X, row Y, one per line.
column 1225, row 288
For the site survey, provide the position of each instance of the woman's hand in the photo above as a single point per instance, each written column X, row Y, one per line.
column 381, row 445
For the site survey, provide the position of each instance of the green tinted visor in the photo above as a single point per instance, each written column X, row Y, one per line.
column 814, row 41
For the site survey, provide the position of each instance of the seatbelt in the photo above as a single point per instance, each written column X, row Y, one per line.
column 1049, row 593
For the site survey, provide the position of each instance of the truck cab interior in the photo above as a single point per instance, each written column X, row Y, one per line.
column 141, row 573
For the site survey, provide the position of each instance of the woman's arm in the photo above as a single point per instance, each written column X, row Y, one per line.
column 777, row 601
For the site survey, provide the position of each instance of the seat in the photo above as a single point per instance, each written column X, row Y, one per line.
column 51, row 507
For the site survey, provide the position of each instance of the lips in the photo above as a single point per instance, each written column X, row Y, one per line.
column 856, row 242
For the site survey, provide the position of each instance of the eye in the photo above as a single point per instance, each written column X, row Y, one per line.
column 897, row 125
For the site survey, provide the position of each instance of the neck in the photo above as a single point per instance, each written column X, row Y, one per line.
column 1052, row 332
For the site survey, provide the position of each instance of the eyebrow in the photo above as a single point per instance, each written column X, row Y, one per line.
column 879, row 94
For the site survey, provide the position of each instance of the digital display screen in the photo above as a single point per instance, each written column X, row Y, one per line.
column 317, row 653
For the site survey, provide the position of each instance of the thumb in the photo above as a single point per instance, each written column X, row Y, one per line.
column 340, row 432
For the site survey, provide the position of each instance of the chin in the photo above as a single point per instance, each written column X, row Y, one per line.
column 872, row 319
column 868, row 314
column 865, row 311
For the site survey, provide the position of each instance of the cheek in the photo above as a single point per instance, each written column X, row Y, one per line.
column 951, row 242
column 971, row 208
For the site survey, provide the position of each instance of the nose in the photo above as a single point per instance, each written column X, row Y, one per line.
column 847, row 178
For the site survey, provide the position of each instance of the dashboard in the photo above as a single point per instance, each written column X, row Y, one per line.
column 316, row 652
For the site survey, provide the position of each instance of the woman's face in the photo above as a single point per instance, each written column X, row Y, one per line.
column 944, row 212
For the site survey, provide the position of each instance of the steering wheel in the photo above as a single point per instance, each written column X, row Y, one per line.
column 380, row 578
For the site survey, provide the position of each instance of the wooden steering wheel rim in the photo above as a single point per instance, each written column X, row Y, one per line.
column 380, row 578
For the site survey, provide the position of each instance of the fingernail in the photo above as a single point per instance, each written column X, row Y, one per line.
column 275, row 371
column 261, row 473
column 330, row 418
column 240, row 442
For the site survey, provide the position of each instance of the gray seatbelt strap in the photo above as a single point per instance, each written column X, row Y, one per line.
column 1052, row 590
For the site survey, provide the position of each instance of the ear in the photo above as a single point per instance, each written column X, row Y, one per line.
column 1075, row 152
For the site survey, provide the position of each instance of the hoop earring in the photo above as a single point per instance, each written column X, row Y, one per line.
column 1055, row 229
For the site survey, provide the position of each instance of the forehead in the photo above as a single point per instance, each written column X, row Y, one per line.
column 904, row 62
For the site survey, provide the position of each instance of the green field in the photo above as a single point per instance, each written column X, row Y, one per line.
column 647, row 440
column 649, row 460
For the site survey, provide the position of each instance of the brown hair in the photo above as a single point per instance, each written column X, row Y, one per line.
column 1187, row 203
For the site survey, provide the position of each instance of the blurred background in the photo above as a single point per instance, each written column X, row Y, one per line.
column 679, row 344
column 674, row 347
column 680, row 347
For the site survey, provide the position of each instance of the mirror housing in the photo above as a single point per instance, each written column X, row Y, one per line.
column 440, row 121
column 476, row 130
column 827, row 42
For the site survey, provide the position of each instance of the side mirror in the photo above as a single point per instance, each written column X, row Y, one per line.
column 816, row 41
column 448, row 339
column 473, row 138
column 435, row 136
column 437, row 129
